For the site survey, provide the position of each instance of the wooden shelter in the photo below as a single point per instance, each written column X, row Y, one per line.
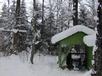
column 73, row 50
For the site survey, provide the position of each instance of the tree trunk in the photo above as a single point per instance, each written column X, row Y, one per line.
column 75, row 12
column 16, row 35
column 42, row 26
column 32, row 53
column 98, row 52
column 8, row 6
column 34, row 24
column 18, row 12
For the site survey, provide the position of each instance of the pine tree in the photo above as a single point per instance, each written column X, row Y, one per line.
column 83, row 16
column 4, row 16
column 63, row 14
column 19, row 37
column 5, row 22
column 50, row 31
column 25, row 25
column 12, row 19
column 23, row 15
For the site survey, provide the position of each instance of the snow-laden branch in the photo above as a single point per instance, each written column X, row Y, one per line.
column 13, row 30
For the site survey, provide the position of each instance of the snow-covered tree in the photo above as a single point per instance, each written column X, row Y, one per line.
column 4, row 16
column 91, row 8
column 50, row 31
column 19, row 38
column 85, row 17
column 5, row 22
column 23, row 15
column 12, row 19
column 25, row 25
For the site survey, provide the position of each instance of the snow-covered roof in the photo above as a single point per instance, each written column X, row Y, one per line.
column 71, row 31
column 90, row 40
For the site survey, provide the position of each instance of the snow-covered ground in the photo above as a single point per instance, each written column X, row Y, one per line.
column 43, row 66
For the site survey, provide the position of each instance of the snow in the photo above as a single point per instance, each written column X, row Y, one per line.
column 12, row 30
column 37, row 42
column 1, row 29
column 17, row 30
column 75, row 56
column 90, row 40
column 12, row 66
column 95, row 18
column 71, row 31
column 43, row 66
